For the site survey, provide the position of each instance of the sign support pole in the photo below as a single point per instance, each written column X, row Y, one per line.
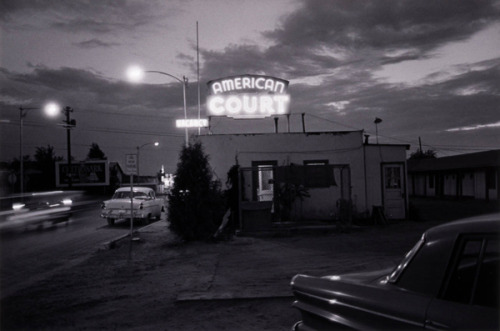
column 131, row 163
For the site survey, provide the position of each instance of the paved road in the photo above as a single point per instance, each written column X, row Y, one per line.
column 33, row 254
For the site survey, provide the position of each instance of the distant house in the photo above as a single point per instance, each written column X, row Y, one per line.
column 311, row 176
column 474, row 176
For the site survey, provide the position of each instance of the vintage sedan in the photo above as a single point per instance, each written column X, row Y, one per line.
column 448, row 280
column 145, row 205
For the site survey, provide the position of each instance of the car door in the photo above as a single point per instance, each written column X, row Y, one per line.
column 469, row 297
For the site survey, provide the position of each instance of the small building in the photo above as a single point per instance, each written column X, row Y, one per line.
column 311, row 176
column 473, row 176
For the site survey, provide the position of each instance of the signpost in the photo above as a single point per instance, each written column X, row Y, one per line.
column 131, row 168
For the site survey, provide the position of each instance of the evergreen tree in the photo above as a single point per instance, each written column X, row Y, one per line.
column 196, row 205
column 45, row 163
column 95, row 153
column 420, row 154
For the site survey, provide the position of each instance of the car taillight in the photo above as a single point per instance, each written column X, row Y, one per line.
column 141, row 206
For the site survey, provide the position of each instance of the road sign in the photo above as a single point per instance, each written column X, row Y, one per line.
column 131, row 164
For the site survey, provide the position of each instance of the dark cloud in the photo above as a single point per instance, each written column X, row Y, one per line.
column 103, row 16
column 95, row 43
column 385, row 24
column 89, row 90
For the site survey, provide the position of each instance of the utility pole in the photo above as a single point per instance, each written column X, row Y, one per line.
column 69, row 124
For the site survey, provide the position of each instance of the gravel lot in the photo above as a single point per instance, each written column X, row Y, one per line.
column 242, row 284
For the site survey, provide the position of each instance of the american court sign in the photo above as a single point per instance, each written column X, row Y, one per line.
column 248, row 97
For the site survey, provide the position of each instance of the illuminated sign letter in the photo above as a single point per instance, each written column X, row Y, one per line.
column 248, row 96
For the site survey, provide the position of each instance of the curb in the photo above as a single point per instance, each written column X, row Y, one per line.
column 112, row 243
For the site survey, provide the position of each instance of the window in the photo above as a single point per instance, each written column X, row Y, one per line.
column 491, row 179
column 393, row 177
column 432, row 179
column 474, row 279
column 487, row 284
column 317, row 173
column 422, row 272
column 263, row 180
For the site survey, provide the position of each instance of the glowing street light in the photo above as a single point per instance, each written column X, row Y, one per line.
column 50, row 109
column 53, row 109
column 136, row 74
column 138, row 149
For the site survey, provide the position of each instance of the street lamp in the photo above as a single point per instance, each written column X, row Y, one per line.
column 136, row 74
column 138, row 149
column 49, row 108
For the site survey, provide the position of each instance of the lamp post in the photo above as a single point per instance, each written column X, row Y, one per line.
column 138, row 159
column 135, row 74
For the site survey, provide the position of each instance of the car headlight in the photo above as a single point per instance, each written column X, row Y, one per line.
column 67, row 202
column 18, row 206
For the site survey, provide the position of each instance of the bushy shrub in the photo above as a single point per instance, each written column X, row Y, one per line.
column 196, row 204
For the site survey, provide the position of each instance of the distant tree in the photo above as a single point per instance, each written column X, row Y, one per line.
column 196, row 203
column 95, row 153
column 419, row 154
column 45, row 163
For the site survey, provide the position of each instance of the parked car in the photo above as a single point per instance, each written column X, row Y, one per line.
column 145, row 205
column 448, row 280
column 36, row 208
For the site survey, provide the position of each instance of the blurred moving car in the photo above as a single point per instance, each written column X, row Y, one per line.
column 448, row 280
column 27, row 209
column 145, row 204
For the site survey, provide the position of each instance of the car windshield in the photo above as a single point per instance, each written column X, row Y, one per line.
column 126, row 195
column 393, row 277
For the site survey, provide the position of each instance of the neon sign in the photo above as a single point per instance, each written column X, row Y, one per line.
column 192, row 123
column 248, row 96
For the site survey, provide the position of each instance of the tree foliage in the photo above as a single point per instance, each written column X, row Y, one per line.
column 45, row 163
column 420, row 154
column 196, row 204
column 95, row 153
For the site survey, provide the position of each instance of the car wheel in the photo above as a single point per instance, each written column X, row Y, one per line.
column 111, row 221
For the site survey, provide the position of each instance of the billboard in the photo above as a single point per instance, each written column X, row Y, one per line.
column 85, row 173
column 248, row 96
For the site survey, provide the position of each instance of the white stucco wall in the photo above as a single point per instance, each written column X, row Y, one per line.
column 339, row 148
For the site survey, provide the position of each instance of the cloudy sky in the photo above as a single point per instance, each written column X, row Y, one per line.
column 428, row 69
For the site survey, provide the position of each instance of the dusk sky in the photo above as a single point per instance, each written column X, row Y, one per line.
column 428, row 69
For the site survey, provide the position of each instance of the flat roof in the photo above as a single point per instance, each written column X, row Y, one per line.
column 462, row 161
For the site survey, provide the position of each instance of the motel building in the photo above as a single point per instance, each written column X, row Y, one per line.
column 300, row 177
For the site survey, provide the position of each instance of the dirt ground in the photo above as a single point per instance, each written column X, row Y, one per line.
column 157, row 283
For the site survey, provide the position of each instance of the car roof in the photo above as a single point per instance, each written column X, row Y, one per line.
column 489, row 223
column 136, row 189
